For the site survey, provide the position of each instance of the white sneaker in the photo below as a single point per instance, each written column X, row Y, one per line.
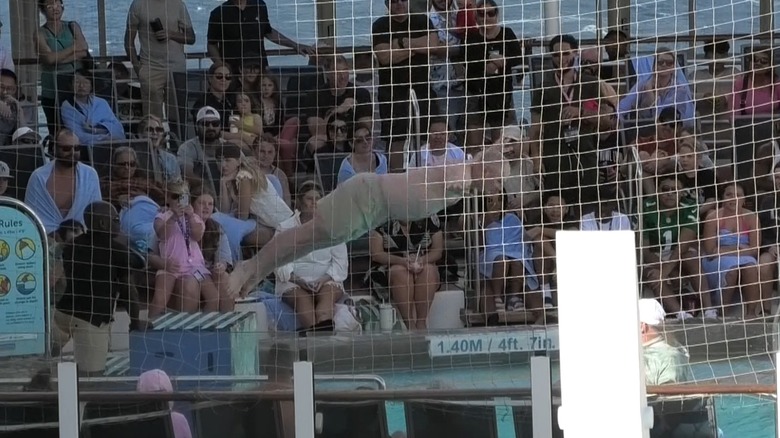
column 710, row 314
column 683, row 316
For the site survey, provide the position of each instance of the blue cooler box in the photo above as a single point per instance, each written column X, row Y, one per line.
column 198, row 345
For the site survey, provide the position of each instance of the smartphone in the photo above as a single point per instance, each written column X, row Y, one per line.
column 184, row 200
column 156, row 25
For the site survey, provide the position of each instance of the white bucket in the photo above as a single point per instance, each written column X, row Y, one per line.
column 445, row 310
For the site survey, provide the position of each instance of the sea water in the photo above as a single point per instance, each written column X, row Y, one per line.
column 296, row 19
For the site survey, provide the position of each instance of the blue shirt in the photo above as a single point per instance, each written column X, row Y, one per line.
column 677, row 96
column 346, row 171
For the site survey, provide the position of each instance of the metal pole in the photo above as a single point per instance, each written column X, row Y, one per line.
column 102, row 37
column 541, row 397
column 551, row 19
column 619, row 15
column 326, row 22
column 68, row 399
column 766, row 20
column 303, row 397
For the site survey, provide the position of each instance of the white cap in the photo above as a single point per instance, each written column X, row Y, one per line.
column 512, row 132
column 207, row 114
column 5, row 171
column 24, row 131
column 651, row 312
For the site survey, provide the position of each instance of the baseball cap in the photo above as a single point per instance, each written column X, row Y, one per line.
column 207, row 114
column 512, row 132
column 154, row 381
column 24, row 131
column 5, row 171
column 651, row 312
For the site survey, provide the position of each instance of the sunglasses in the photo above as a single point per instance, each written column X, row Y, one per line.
column 666, row 62
column 211, row 124
column 339, row 128
column 559, row 54
column 222, row 77
column 488, row 13
column 27, row 141
column 762, row 61
column 159, row 129
column 125, row 163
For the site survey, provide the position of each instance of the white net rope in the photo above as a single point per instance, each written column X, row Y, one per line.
column 643, row 127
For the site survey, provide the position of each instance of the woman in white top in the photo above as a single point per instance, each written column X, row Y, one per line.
column 313, row 283
column 439, row 151
column 246, row 192
column 607, row 217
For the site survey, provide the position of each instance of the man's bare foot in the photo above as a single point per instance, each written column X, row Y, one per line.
column 239, row 278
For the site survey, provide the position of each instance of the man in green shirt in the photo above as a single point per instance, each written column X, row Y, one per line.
column 669, row 242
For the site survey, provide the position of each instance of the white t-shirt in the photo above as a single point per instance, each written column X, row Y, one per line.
column 452, row 154
column 619, row 221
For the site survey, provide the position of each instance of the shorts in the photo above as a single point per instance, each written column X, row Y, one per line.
column 90, row 342
column 288, row 286
column 356, row 207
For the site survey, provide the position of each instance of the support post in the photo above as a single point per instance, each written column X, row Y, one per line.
column 326, row 22
column 102, row 37
column 551, row 19
column 68, row 399
column 541, row 397
column 766, row 20
column 303, row 393
column 777, row 388
column 24, row 22
column 604, row 261
column 619, row 15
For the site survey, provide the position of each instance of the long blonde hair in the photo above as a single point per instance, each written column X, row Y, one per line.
column 257, row 177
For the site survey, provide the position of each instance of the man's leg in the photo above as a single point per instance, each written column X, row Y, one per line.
column 153, row 82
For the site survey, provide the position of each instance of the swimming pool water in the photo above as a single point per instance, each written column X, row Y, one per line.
column 737, row 416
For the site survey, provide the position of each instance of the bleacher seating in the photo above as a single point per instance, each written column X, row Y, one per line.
column 450, row 419
column 353, row 420
column 326, row 166
column 236, row 420
column 23, row 160
column 29, row 420
column 749, row 133
column 127, row 420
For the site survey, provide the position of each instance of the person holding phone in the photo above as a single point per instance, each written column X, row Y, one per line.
column 163, row 28
column 178, row 230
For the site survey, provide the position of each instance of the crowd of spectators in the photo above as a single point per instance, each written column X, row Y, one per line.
column 191, row 209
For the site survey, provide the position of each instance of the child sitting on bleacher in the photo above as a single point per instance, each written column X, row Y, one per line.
column 248, row 123
column 178, row 232
column 505, row 260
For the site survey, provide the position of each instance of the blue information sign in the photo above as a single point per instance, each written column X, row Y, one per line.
column 23, row 281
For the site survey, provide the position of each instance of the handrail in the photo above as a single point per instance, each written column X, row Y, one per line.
column 380, row 382
column 530, row 42
column 401, row 394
